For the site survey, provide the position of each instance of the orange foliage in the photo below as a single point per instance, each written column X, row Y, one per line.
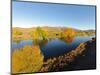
column 69, row 32
column 69, row 40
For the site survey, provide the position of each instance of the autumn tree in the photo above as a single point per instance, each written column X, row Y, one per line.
column 35, row 35
column 42, row 33
column 69, row 32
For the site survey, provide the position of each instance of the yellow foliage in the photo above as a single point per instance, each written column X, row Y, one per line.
column 39, row 33
column 17, row 32
column 35, row 35
column 43, row 33
column 69, row 32
column 27, row 59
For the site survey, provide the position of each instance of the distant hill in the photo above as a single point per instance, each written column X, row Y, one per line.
column 54, row 28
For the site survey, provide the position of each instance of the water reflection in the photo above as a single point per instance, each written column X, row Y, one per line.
column 35, row 42
column 17, row 41
column 22, row 43
column 69, row 39
column 43, row 43
column 53, row 47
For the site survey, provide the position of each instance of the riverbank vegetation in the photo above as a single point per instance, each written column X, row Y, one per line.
column 27, row 59
column 30, row 58
column 44, row 33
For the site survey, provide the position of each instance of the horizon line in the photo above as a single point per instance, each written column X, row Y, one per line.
column 55, row 26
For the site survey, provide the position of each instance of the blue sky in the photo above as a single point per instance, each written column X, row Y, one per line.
column 27, row 14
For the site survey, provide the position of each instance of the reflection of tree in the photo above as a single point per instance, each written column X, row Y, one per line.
column 17, row 40
column 36, row 42
column 43, row 42
column 69, row 39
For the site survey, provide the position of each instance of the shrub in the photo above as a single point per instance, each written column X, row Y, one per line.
column 27, row 59
column 69, row 32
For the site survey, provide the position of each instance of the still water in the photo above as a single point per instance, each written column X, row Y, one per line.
column 54, row 47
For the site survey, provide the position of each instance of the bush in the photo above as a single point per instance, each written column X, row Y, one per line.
column 69, row 32
column 27, row 59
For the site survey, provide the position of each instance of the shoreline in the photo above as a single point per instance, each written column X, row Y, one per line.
column 69, row 60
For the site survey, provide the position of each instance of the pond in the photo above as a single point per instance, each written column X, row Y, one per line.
column 54, row 47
